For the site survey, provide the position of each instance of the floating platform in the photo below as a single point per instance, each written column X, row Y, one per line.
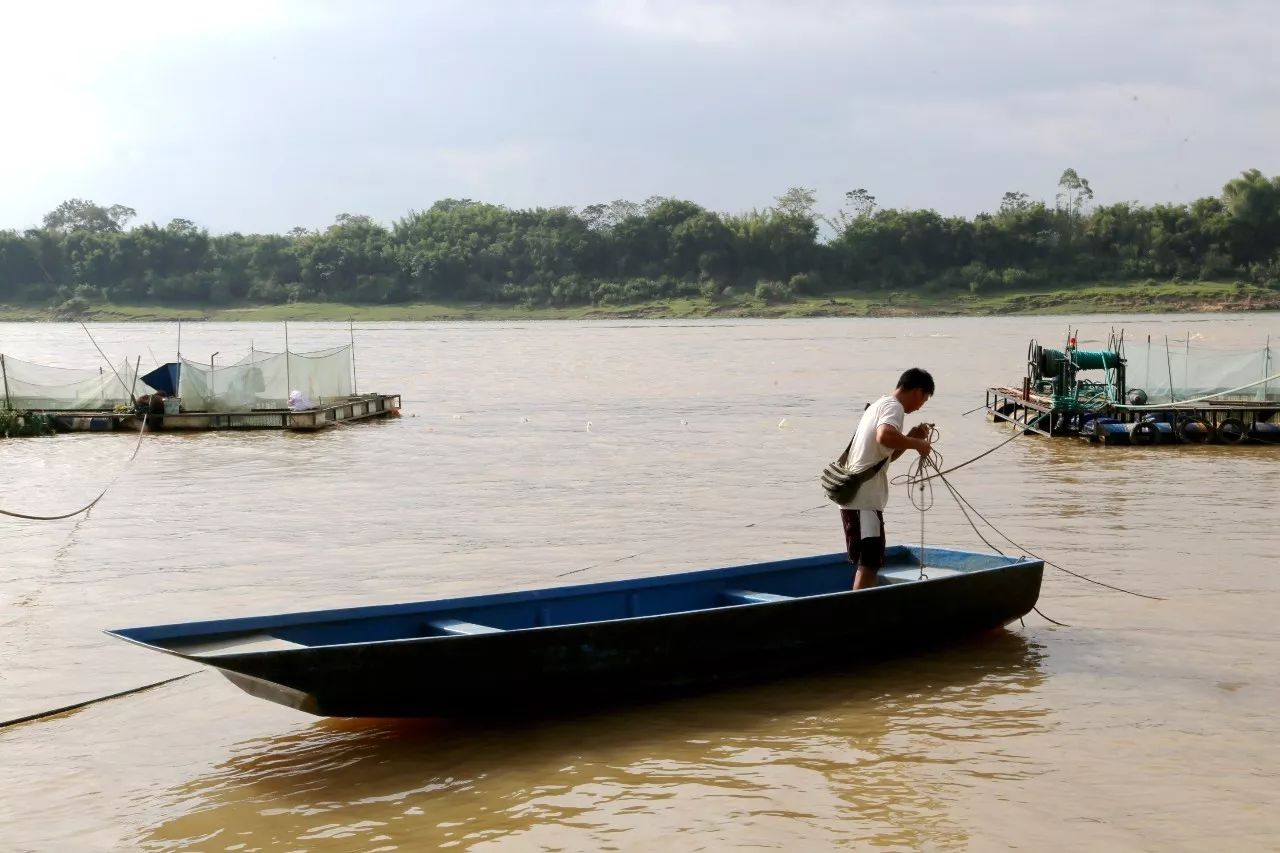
column 1218, row 421
column 1224, row 398
column 346, row 410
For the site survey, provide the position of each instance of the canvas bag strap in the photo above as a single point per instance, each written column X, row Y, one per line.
column 875, row 469
column 843, row 459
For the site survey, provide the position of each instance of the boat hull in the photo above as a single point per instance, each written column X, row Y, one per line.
column 543, row 670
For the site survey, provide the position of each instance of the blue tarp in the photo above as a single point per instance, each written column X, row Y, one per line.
column 165, row 378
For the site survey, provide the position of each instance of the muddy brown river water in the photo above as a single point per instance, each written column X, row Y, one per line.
column 1145, row 725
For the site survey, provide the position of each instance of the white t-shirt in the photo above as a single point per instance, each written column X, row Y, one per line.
column 866, row 452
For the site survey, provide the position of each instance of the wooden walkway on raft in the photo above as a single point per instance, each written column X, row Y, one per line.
column 349, row 409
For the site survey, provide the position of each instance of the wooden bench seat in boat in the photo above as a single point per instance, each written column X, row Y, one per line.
column 459, row 628
column 746, row 596
column 906, row 574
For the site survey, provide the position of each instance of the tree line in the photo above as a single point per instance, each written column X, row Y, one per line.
column 624, row 252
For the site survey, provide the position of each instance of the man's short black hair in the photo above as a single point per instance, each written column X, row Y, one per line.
column 916, row 378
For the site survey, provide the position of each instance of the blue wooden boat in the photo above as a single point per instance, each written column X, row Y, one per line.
column 536, row 651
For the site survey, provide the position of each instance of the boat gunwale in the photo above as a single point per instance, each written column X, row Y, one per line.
column 524, row 596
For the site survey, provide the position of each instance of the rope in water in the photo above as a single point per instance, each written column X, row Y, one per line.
column 90, row 505
column 938, row 472
column 30, row 517
column 918, row 477
column 76, row 706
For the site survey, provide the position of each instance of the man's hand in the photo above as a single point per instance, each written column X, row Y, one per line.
column 889, row 436
column 920, row 432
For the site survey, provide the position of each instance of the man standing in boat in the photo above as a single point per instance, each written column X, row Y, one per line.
column 878, row 441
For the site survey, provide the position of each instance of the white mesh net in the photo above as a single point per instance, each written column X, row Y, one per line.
column 1177, row 372
column 39, row 386
column 263, row 380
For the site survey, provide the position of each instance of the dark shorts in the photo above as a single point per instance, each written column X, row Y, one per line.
column 865, row 551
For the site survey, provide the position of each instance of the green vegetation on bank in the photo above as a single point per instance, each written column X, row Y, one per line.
column 663, row 257
column 1135, row 297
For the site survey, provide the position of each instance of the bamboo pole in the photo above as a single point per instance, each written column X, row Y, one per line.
column 1186, row 365
column 1266, row 371
column 355, row 385
column 104, row 357
column 137, row 365
column 5, row 370
column 213, row 381
column 1169, row 361
column 1146, row 376
column 288, row 379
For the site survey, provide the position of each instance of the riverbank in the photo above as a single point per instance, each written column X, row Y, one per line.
column 1137, row 297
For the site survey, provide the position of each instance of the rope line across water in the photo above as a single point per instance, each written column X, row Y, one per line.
column 919, row 477
column 90, row 505
column 77, row 705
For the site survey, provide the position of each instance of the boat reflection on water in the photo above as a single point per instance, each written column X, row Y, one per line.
column 875, row 755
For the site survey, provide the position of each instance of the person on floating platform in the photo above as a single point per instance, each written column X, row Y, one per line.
column 878, row 441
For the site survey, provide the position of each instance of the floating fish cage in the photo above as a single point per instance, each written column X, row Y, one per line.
column 264, row 390
column 317, row 417
column 1167, row 395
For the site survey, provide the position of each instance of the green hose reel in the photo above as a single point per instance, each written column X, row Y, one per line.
column 1050, row 362
column 1054, row 373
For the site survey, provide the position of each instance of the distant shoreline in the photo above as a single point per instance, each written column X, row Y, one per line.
column 1169, row 297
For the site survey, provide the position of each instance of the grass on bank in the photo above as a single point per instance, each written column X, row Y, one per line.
column 1095, row 299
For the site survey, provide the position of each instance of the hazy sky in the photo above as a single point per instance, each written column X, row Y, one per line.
column 259, row 116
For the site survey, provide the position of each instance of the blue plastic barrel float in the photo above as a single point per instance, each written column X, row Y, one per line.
column 1192, row 430
column 1231, row 431
column 1265, row 432
column 1109, row 431
column 1147, row 432
column 1091, row 425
